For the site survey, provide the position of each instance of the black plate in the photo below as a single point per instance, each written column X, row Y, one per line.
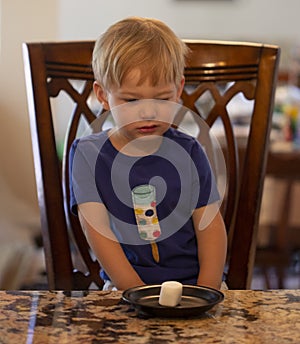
column 195, row 300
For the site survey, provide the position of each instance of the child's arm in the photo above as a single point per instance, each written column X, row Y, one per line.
column 212, row 245
column 95, row 224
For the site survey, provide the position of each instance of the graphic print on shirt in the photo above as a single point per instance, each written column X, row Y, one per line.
column 144, row 204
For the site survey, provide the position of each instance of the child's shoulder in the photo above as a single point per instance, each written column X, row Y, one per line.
column 90, row 144
column 95, row 137
column 180, row 137
column 92, row 139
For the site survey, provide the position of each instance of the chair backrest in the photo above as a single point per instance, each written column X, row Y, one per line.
column 216, row 72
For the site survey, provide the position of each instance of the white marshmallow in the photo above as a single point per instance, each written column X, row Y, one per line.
column 170, row 294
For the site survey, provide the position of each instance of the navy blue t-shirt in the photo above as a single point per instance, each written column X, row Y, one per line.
column 180, row 175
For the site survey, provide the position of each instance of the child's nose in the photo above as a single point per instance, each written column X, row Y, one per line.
column 148, row 110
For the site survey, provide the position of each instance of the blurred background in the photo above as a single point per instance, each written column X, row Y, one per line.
column 267, row 21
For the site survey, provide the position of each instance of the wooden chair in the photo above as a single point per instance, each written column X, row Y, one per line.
column 220, row 69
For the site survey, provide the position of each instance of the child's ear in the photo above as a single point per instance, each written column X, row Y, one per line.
column 180, row 88
column 101, row 95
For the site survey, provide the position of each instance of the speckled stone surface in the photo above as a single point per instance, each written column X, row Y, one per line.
column 101, row 317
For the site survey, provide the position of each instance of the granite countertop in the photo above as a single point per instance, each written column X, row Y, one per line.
column 101, row 317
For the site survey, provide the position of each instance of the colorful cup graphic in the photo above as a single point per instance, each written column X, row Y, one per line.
column 144, row 203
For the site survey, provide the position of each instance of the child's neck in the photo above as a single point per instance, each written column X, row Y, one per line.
column 142, row 146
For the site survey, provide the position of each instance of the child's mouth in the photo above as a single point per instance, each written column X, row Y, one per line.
column 147, row 129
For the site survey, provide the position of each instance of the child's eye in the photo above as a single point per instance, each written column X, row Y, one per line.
column 130, row 100
column 165, row 98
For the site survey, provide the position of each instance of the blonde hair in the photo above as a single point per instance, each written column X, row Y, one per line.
column 143, row 43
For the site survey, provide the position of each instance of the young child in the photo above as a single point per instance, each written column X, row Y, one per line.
column 142, row 190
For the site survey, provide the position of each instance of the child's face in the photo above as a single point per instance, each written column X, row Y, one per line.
column 144, row 118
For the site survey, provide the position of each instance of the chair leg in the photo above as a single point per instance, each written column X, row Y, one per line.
column 281, row 277
column 277, row 257
column 282, row 234
column 267, row 279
